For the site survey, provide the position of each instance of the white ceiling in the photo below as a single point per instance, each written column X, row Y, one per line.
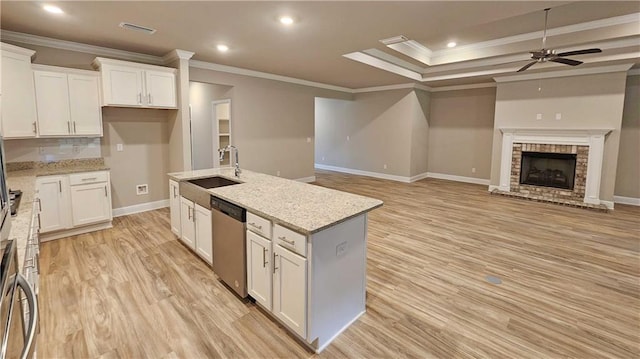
column 313, row 48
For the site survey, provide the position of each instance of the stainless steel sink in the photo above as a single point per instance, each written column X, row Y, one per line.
column 213, row 182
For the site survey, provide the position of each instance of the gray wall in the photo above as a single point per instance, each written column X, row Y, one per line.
column 201, row 96
column 271, row 122
column 461, row 132
column 590, row 101
column 628, row 175
column 386, row 127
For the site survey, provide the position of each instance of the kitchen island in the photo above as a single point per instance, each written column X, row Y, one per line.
column 305, row 249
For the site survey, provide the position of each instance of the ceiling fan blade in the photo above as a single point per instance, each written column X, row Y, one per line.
column 566, row 61
column 527, row 66
column 579, row 52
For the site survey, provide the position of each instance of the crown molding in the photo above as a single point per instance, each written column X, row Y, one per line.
column 383, row 65
column 17, row 49
column 177, row 55
column 391, row 88
column 633, row 72
column 566, row 73
column 6, row 35
column 463, row 87
column 264, row 75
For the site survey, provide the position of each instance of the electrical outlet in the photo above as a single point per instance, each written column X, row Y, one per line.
column 142, row 189
column 348, row 138
column 384, row 166
column 323, row 158
column 278, row 173
column 119, row 147
column 308, row 139
column 558, row 116
column 341, row 249
column 473, row 170
column 539, row 116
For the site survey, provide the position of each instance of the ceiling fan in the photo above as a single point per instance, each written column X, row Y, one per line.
column 545, row 54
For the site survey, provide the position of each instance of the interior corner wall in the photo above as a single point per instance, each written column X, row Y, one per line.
column 373, row 130
column 272, row 121
column 584, row 102
column 628, row 173
column 461, row 132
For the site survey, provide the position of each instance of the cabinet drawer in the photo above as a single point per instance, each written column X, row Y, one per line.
column 259, row 225
column 289, row 239
column 88, row 177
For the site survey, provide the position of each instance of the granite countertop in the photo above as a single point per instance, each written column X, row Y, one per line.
column 302, row 207
column 22, row 176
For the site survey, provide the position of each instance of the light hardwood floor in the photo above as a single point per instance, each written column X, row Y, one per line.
column 570, row 285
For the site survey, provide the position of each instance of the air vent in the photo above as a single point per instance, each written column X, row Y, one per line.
column 128, row 26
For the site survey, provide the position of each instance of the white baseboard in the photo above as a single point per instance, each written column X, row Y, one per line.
column 492, row 187
column 306, row 179
column 44, row 237
column 458, row 178
column 419, row 177
column 627, row 200
column 608, row 204
column 363, row 173
column 142, row 207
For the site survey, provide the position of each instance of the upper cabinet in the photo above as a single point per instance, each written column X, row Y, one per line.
column 18, row 93
column 68, row 102
column 131, row 84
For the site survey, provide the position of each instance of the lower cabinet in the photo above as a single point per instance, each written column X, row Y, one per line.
column 259, row 272
column 72, row 201
column 290, row 289
column 195, row 228
column 174, row 206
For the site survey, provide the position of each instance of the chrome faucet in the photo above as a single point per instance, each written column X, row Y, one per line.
column 237, row 165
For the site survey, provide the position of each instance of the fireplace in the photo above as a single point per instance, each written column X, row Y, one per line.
column 556, row 170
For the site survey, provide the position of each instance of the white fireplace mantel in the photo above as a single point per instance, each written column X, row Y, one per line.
column 594, row 138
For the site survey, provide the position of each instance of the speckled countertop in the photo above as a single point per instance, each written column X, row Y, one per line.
column 300, row 206
column 22, row 176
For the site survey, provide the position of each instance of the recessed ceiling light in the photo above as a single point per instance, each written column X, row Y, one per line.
column 451, row 44
column 286, row 20
column 53, row 9
column 222, row 48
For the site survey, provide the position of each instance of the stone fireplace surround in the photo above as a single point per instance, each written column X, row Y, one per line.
column 587, row 144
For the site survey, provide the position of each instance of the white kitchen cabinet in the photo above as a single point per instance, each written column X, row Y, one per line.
column 204, row 237
column 290, row 289
column 195, row 228
column 174, row 206
column 90, row 203
column 73, row 204
column 187, row 226
column 68, row 102
column 259, row 264
column 55, row 207
column 131, row 84
column 18, row 93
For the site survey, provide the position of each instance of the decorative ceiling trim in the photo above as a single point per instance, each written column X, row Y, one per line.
column 6, row 35
column 392, row 59
column 633, row 72
column 565, row 73
column 391, row 88
column 264, row 75
column 177, row 55
column 383, row 65
column 18, row 50
column 463, row 87
column 413, row 49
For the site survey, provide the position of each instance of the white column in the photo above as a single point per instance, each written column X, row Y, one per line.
column 505, row 162
column 594, row 169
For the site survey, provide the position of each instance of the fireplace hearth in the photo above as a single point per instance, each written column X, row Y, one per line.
column 555, row 170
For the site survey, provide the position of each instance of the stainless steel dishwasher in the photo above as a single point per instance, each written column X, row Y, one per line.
column 229, row 244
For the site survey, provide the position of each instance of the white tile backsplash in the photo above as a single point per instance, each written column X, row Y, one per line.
column 51, row 149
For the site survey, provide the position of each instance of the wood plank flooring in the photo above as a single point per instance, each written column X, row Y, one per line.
column 570, row 285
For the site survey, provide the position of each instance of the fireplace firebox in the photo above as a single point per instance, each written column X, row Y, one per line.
column 545, row 169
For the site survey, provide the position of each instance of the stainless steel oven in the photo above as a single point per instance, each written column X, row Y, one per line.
column 18, row 334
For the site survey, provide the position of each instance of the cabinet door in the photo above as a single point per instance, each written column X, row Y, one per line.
column 90, row 203
column 187, row 225
column 259, row 266
column 204, row 239
column 174, row 207
column 18, row 97
column 161, row 89
column 122, row 85
column 54, row 203
column 52, row 102
column 290, row 289
column 84, row 104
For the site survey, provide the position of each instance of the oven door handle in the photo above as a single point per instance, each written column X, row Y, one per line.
column 33, row 316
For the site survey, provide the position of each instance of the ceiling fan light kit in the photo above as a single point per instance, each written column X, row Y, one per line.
column 550, row 55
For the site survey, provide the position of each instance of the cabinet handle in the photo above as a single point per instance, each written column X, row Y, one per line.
column 39, row 204
column 189, row 212
column 35, row 127
column 60, row 185
column 105, row 191
column 74, row 127
column 38, row 263
column 174, row 193
column 264, row 257
column 255, row 225
column 274, row 263
column 39, row 226
column 150, row 100
column 291, row 242
column 90, row 179
column 139, row 98
column 69, row 126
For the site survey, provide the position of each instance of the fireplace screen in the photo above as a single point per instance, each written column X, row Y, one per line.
column 548, row 169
